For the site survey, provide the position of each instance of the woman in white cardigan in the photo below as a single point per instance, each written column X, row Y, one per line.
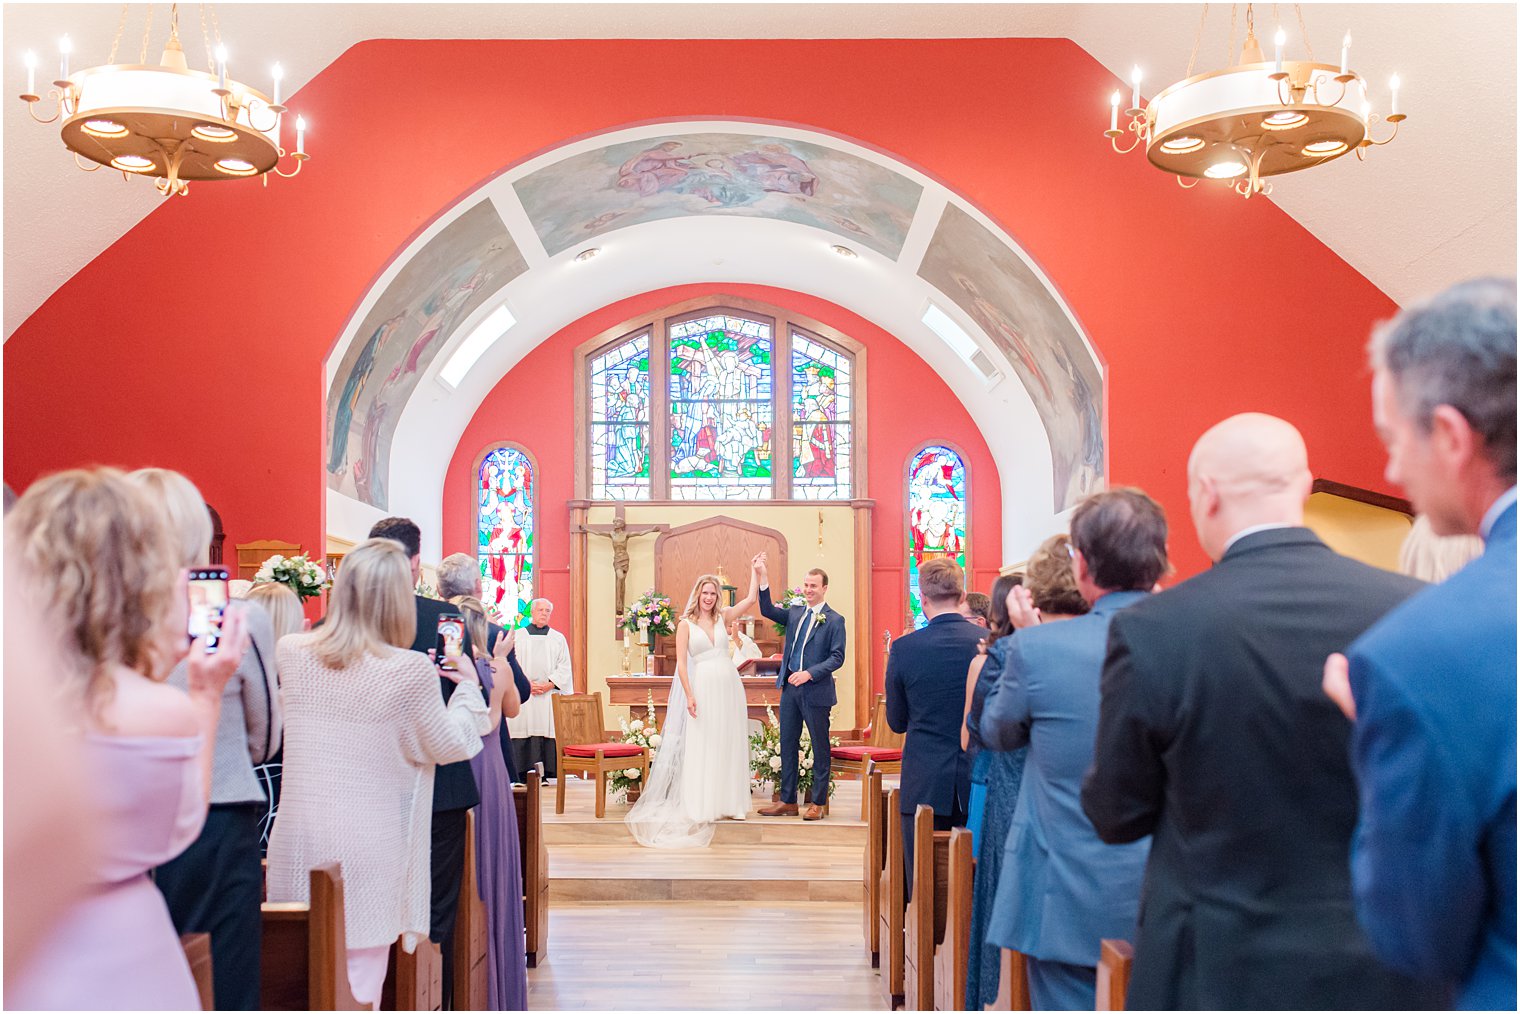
column 364, row 728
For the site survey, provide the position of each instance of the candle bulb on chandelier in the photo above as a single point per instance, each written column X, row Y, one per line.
column 65, row 47
column 1134, row 77
column 279, row 75
column 1345, row 53
column 1113, row 111
column 31, row 72
column 300, row 134
column 1393, row 84
column 1281, row 39
column 221, row 67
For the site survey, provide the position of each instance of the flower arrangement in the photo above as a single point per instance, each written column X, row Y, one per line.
column 651, row 615
column 765, row 756
column 791, row 597
column 299, row 573
column 645, row 733
column 426, row 590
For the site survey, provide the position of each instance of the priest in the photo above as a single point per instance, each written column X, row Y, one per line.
column 545, row 657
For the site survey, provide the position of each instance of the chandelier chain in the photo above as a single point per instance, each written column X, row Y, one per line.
column 1229, row 44
column 142, row 54
column 120, row 27
column 1304, row 32
column 206, row 35
column 1197, row 40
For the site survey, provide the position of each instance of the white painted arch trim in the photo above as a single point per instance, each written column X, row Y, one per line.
column 556, row 291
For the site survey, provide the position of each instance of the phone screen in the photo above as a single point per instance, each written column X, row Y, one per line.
column 450, row 638
column 208, row 604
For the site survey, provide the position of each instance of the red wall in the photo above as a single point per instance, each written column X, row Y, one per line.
column 197, row 340
column 532, row 406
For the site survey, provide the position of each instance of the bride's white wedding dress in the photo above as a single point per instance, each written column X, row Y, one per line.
column 701, row 770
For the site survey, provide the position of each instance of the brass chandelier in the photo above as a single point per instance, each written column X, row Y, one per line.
column 165, row 120
column 1255, row 119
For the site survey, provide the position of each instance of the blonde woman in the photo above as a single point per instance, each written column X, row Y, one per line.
column 701, row 769
column 364, row 729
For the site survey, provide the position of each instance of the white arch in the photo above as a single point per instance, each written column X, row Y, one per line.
column 555, row 291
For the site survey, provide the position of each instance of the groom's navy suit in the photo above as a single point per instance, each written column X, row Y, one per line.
column 817, row 648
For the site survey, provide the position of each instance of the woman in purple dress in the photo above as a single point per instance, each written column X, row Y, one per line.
column 498, row 861
column 106, row 572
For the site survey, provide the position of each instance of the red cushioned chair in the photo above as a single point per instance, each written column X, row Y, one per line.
column 880, row 745
column 581, row 747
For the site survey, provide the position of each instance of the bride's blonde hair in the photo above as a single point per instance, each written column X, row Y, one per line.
column 693, row 604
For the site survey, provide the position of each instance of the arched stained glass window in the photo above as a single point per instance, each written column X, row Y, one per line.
column 821, row 399
column 505, row 528
column 720, row 408
column 936, row 515
column 620, row 421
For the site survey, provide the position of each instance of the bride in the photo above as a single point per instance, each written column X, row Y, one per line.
column 701, row 770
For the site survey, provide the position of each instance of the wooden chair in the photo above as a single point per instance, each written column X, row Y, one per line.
column 581, row 746
column 891, row 907
column 535, row 866
column 413, row 981
column 1013, row 982
column 924, row 920
column 304, row 961
column 880, row 744
column 198, row 954
column 875, row 858
column 1115, row 960
column 952, row 957
column 251, row 555
column 471, row 938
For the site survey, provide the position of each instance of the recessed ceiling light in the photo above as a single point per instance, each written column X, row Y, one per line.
column 1181, row 145
column 586, row 254
column 235, row 167
column 1325, row 148
column 104, row 128
column 843, row 250
column 211, row 132
column 132, row 163
column 1227, row 169
column 1285, row 120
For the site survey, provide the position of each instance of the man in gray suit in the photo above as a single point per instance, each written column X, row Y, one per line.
column 1064, row 890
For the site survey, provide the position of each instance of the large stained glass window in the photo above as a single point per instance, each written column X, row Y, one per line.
column 821, row 397
column 505, row 527
column 936, row 515
column 620, row 421
column 720, row 409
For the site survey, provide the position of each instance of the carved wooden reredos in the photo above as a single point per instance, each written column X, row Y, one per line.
column 681, row 555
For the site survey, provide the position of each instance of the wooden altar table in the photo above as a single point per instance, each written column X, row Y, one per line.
column 634, row 690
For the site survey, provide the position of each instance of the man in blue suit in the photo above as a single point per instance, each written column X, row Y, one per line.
column 1433, row 683
column 926, row 697
column 812, row 652
column 1063, row 890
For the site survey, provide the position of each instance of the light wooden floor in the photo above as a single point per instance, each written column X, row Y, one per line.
column 767, row 917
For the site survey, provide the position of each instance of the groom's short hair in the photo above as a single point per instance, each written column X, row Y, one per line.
column 822, row 575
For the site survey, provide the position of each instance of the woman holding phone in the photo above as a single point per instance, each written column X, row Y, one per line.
column 364, row 729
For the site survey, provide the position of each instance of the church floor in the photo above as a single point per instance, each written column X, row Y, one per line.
column 767, row 917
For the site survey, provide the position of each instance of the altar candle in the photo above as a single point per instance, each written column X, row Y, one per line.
column 65, row 47
column 1345, row 53
column 1281, row 38
column 1394, row 84
column 1113, row 111
column 221, row 67
column 31, row 72
column 1134, row 77
column 279, row 75
column 300, row 133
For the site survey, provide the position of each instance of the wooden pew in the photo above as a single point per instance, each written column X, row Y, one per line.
column 875, row 857
column 413, row 981
column 924, row 921
column 198, row 953
column 953, row 954
column 304, row 964
column 1013, row 983
column 1115, row 959
column 470, row 934
column 890, row 907
column 535, row 866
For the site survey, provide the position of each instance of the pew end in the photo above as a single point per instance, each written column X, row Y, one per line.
column 197, row 947
column 304, row 961
column 952, row 957
column 924, row 919
column 1013, row 982
column 891, row 906
column 471, row 939
column 534, row 853
column 875, row 857
column 413, row 981
column 1116, row 958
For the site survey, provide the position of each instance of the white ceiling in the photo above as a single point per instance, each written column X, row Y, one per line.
column 1437, row 206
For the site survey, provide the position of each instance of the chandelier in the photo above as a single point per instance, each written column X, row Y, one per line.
column 1255, row 119
column 166, row 120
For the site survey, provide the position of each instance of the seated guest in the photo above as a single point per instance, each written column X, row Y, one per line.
column 106, row 570
column 545, row 657
column 365, row 729
column 1062, row 890
column 1213, row 738
column 287, row 617
column 217, row 884
column 977, row 607
column 1433, row 863
column 926, row 679
column 745, row 647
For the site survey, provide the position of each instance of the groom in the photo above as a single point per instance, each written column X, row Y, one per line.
column 813, row 650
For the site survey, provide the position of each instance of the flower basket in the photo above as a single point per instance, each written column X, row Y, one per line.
column 791, row 597
column 645, row 733
column 298, row 573
column 765, row 757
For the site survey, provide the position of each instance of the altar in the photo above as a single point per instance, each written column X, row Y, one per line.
column 634, row 690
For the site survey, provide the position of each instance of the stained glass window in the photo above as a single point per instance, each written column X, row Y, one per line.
column 936, row 516
column 505, row 528
column 620, row 421
column 821, row 398
column 720, row 409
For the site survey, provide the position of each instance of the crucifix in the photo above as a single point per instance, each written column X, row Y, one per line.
column 619, row 533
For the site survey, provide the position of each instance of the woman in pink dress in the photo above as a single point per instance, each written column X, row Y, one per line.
column 104, row 567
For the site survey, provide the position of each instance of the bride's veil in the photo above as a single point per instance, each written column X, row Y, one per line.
column 658, row 819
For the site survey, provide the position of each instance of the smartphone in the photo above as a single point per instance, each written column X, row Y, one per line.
column 208, row 604
column 450, row 638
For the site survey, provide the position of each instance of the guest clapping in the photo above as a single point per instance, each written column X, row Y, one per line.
column 365, row 728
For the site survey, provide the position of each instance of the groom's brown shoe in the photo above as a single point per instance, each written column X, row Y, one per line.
column 815, row 812
column 780, row 810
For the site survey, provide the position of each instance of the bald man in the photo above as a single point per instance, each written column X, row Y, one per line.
column 1214, row 738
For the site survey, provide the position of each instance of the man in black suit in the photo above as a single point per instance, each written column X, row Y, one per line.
column 1213, row 736
column 926, row 695
column 454, row 789
column 812, row 652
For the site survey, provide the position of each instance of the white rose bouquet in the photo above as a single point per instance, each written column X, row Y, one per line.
column 645, row 733
column 765, row 756
column 298, row 573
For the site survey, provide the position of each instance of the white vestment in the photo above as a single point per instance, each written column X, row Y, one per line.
column 542, row 657
column 745, row 649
